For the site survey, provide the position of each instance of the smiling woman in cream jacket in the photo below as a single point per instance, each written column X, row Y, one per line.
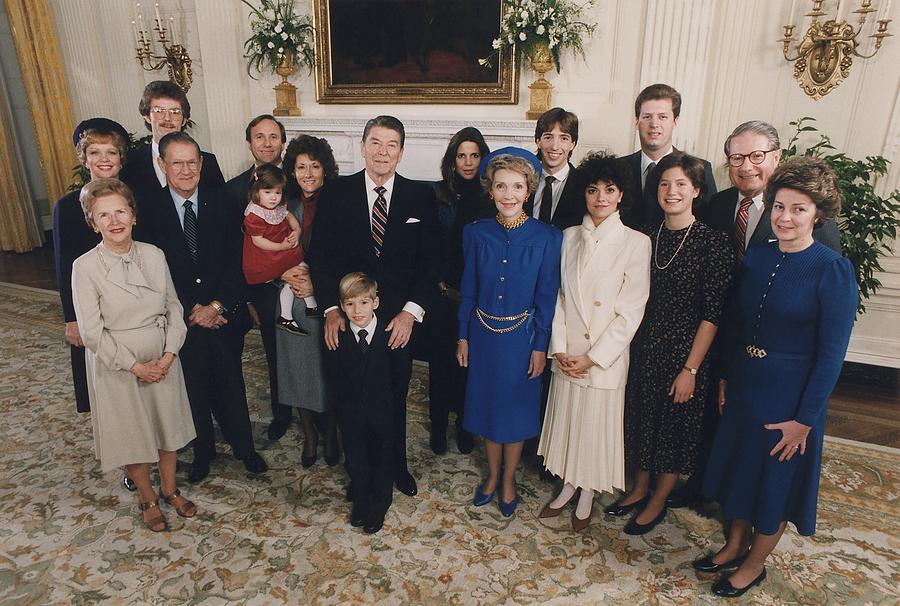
column 605, row 286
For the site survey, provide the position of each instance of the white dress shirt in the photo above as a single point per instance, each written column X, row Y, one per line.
column 179, row 205
column 160, row 175
column 369, row 328
column 647, row 160
column 556, row 187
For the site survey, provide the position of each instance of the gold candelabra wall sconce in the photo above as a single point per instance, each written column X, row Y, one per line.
column 174, row 54
column 825, row 52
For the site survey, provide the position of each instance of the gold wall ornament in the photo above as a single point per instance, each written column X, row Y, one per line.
column 174, row 55
column 542, row 62
column 825, row 52
column 285, row 92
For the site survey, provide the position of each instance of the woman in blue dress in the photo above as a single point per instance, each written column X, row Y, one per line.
column 509, row 286
column 796, row 302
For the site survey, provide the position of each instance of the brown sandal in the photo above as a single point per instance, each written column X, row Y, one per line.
column 157, row 524
column 186, row 510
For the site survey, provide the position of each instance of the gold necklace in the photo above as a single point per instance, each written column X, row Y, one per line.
column 677, row 250
column 519, row 319
column 509, row 224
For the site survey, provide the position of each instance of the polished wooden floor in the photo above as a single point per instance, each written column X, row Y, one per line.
column 865, row 405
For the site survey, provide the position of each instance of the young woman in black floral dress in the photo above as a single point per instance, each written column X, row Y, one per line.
column 668, row 379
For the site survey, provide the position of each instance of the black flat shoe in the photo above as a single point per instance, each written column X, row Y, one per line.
column 308, row 461
column 313, row 312
column 623, row 510
column 374, row 522
column 358, row 515
column 406, row 484
column 723, row 587
column 198, row 470
column 636, row 529
column 290, row 326
column 128, row 483
column 254, row 463
column 277, row 429
column 706, row 564
column 332, row 460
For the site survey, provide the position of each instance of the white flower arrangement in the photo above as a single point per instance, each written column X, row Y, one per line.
column 554, row 24
column 277, row 29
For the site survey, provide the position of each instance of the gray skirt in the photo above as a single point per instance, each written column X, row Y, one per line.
column 301, row 366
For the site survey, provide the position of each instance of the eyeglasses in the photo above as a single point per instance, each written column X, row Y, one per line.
column 756, row 157
column 172, row 111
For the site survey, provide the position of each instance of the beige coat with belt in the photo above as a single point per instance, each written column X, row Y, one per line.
column 605, row 287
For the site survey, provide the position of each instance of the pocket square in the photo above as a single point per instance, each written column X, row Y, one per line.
column 412, row 220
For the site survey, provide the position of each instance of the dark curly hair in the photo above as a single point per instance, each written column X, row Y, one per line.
column 600, row 166
column 314, row 147
column 811, row 176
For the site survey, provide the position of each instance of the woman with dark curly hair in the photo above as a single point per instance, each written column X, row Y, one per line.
column 796, row 302
column 461, row 200
column 309, row 163
column 605, row 285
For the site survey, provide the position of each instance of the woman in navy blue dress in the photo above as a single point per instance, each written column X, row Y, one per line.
column 796, row 305
column 509, row 287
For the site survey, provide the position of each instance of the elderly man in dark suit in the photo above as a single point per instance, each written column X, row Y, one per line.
column 557, row 200
column 165, row 109
column 190, row 224
column 656, row 112
column 384, row 225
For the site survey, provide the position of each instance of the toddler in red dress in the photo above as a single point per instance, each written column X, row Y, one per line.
column 271, row 239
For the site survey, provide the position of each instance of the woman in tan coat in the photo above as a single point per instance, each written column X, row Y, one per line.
column 132, row 326
column 605, row 286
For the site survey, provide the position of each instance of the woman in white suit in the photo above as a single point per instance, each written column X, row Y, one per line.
column 605, row 286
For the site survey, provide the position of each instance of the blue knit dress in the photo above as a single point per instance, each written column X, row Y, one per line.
column 798, row 307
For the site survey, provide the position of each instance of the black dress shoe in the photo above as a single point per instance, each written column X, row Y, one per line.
column 706, row 564
column 634, row 528
column 725, row 589
column 308, row 461
column 374, row 522
column 128, row 483
column 277, row 429
column 438, row 442
column 358, row 515
column 406, row 484
column 254, row 463
column 465, row 441
column 198, row 470
column 623, row 510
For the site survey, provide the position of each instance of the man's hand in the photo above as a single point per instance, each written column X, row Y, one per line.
column 298, row 280
column 73, row 336
column 206, row 316
column 334, row 323
column 401, row 329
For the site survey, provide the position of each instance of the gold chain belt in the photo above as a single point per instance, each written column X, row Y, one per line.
column 519, row 319
column 756, row 352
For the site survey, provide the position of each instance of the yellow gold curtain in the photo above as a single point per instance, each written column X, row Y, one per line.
column 37, row 46
column 19, row 229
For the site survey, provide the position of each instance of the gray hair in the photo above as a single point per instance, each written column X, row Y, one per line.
column 756, row 127
column 176, row 137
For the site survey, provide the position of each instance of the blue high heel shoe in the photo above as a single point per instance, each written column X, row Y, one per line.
column 507, row 509
column 481, row 498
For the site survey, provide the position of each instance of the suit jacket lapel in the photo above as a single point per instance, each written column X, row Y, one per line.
column 763, row 231
column 359, row 206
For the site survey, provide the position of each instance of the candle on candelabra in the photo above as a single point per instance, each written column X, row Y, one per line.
column 159, row 21
column 840, row 11
column 887, row 10
column 143, row 31
column 137, row 41
column 172, row 29
column 792, row 16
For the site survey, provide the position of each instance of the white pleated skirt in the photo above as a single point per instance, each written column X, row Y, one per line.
column 582, row 438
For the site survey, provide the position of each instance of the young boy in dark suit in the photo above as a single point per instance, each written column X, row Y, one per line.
column 362, row 366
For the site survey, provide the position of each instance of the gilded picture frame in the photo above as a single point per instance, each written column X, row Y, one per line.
column 411, row 52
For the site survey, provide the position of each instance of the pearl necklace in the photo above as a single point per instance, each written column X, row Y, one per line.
column 677, row 250
column 510, row 224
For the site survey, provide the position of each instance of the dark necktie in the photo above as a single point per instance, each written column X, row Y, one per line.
column 546, row 211
column 363, row 344
column 650, row 168
column 379, row 220
column 190, row 228
column 740, row 228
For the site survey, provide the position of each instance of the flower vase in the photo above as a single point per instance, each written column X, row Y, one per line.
column 541, row 62
column 285, row 92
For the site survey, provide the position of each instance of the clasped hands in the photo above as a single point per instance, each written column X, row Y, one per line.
column 154, row 370
column 206, row 316
column 400, row 328
column 575, row 367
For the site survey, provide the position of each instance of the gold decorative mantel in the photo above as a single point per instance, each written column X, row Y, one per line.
column 825, row 52
column 541, row 62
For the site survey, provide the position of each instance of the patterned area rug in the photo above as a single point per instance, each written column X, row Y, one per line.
column 71, row 535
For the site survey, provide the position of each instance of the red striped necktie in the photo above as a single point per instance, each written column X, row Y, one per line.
column 740, row 228
column 379, row 220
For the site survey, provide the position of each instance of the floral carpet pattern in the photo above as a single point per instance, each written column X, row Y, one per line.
column 71, row 535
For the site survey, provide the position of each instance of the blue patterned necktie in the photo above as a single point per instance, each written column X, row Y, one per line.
column 379, row 220
column 190, row 228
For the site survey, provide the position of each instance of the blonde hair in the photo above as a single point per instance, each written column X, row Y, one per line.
column 513, row 163
column 357, row 284
column 98, row 188
column 93, row 135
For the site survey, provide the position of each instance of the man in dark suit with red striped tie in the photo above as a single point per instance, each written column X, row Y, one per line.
column 384, row 225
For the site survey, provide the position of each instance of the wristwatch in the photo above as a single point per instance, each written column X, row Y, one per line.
column 693, row 371
column 218, row 307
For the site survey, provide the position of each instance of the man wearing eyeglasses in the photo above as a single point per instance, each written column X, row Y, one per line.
column 753, row 151
column 165, row 109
